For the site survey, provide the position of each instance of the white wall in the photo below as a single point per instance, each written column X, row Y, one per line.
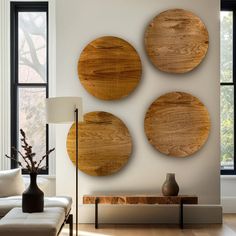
column 228, row 194
column 4, row 83
column 77, row 23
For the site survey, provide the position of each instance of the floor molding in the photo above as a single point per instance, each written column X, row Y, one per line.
column 228, row 204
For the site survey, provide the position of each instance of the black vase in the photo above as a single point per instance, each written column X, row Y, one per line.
column 33, row 197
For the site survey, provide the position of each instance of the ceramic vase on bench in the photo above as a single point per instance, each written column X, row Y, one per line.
column 33, row 197
column 170, row 186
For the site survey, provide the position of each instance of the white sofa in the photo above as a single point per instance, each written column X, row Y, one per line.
column 8, row 203
column 45, row 184
column 12, row 184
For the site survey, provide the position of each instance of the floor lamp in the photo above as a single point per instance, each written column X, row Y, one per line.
column 61, row 110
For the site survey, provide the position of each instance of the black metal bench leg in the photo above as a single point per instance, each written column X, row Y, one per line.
column 96, row 213
column 181, row 214
column 70, row 222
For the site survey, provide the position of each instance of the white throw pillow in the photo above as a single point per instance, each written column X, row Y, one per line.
column 11, row 183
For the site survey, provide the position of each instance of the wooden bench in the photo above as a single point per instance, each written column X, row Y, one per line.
column 140, row 199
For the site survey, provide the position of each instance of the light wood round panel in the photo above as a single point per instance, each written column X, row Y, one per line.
column 176, row 41
column 109, row 68
column 105, row 144
column 177, row 124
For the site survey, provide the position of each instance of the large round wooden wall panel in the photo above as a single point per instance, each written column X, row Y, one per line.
column 105, row 144
column 176, row 41
column 177, row 124
column 109, row 68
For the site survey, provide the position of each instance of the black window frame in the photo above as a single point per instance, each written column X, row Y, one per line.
column 15, row 8
column 227, row 5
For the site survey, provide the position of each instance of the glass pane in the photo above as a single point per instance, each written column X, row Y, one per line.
column 227, row 127
column 32, row 47
column 31, row 110
column 226, row 46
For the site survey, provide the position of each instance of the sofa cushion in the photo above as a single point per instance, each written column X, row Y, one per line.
column 59, row 201
column 11, row 183
column 8, row 203
column 18, row 223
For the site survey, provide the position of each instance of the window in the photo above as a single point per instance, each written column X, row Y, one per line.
column 227, row 81
column 29, row 75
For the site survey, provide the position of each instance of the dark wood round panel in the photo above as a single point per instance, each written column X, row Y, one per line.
column 109, row 68
column 105, row 144
column 176, row 41
column 177, row 124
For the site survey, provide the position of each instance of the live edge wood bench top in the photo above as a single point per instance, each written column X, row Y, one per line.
column 139, row 199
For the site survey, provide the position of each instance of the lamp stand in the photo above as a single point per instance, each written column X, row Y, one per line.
column 77, row 165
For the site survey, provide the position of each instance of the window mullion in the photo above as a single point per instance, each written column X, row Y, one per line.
column 14, row 78
column 234, row 81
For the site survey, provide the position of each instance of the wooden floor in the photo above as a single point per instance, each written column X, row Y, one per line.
column 228, row 228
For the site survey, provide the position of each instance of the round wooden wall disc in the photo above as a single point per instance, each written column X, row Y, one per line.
column 105, row 144
column 177, row 124
column 109, row 68
column 176, row 41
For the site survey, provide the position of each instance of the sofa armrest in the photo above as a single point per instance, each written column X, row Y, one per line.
column 43, row 183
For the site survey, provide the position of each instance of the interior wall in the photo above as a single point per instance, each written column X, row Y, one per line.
column 228, row 193
column 4, row 83
column 77, row 23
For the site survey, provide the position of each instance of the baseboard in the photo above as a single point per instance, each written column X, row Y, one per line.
column 151, row 214
column 228, row 204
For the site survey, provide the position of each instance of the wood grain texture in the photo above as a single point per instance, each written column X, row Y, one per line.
column 177, row 124
column 139, row 199
column 105, row 144
column 176, row 41
column 109, row 68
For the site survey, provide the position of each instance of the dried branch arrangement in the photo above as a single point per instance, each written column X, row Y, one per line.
column 28, row 156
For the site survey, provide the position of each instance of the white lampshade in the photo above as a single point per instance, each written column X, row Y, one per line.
column 61, row 109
